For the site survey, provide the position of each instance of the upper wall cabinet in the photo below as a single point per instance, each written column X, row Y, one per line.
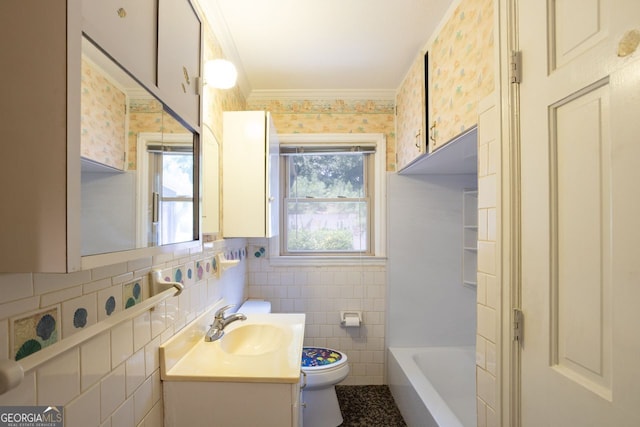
column 461, row 70
column 250, row 175
column 438, row 100
column 179, row 47
column 127, row 30
column 47, row 183
column 411, row 115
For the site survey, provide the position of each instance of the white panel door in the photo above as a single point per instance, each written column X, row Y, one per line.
column 580, row 170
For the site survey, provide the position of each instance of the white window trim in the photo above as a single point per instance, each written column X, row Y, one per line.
column 379, row 204
column 142, row 170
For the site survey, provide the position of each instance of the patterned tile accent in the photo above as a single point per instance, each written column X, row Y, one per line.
column 132, row 293
column 109, row 302
column 35, row 331
column 78, row 314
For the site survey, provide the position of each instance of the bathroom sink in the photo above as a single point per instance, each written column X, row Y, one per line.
column 253, row 340
column 264, row 348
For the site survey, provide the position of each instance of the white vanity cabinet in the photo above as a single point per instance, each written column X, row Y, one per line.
column 250, row 175
column 179, row 47
column 206, row 403
column 127, row 30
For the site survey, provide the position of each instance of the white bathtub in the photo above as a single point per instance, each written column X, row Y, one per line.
column 434, row 386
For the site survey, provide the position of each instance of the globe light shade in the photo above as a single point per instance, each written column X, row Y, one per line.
column 220, row 74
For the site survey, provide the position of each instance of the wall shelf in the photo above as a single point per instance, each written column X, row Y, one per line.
column 470, row 237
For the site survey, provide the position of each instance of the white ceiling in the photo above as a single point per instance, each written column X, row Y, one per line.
column 323, row 45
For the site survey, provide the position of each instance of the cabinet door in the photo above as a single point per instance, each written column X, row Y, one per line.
column 127, row 30
column 179, row 36
column 250, row 175
column 272, row 186
column 410, row 141
column 244, row 174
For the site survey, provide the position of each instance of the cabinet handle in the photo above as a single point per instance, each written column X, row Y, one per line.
column 186, row 75
column 418, row 139
column 432, row 132
column 122, row 12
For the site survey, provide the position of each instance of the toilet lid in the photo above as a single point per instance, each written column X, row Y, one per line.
column 319, row 357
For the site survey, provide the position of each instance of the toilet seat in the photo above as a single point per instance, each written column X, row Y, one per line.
column 321, row 359
column 325, row 367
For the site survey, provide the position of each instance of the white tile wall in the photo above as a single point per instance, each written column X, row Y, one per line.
column 134, row 367
column 58, row 381
column 488, row 264
column 121, row 342
column 113, row 391
column 321, row 293
column 85, row 409
column 95, row 357
column 113, row 378
column 124, row 415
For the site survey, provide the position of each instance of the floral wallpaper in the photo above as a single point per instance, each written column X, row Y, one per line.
column 215, row 101
column 334, row 116
column 461, row 68
column 461, row 72
column 103, row 118
column 411, row 114
column 147, row 115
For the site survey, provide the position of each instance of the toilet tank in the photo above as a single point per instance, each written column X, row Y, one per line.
column 255, row 306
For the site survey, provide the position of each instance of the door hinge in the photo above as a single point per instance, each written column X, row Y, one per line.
column 518, row 325
column 515, row 72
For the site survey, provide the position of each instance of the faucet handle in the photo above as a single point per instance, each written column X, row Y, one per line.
column 220, row 311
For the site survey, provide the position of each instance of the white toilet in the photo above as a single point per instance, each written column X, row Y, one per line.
column 322, row 369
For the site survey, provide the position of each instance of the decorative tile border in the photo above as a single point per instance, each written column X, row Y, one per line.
column 132, row 293
column 34, row 332
column 109, row 302
column 78, row 313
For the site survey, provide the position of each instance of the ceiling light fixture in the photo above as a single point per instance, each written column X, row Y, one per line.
column 220, row 73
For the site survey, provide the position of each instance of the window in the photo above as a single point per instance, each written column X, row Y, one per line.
column 172, row 177
column 165, row 165
column 331, row 195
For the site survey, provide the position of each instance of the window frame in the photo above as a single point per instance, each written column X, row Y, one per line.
column 377, row 214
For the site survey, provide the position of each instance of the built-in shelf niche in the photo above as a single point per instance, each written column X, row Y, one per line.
column 469, row 237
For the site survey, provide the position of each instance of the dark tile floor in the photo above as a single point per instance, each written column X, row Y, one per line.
column 368, row 406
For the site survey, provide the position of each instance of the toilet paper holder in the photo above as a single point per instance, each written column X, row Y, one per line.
column 350, row 318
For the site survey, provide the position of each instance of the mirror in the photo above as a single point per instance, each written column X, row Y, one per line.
column 138, row 186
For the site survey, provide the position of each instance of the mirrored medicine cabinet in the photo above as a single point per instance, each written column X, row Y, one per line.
column 139, row 164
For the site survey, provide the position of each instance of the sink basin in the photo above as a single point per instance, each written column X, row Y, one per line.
column 253, row 339
column 264, row 348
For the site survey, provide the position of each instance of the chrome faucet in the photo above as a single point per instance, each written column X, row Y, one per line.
column 216, row 330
